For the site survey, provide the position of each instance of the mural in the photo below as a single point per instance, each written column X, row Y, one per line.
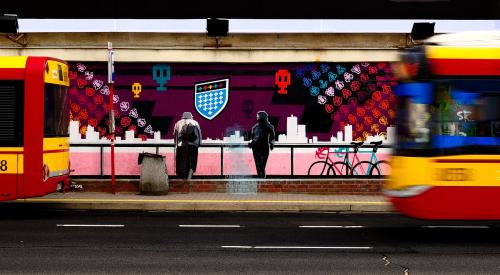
column 306, row 102
column 324, row 97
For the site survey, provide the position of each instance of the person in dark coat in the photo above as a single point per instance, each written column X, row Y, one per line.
column 187, row 139
column 262, row 142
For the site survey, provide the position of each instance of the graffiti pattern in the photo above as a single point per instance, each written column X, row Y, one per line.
column 136, row 89
column 356, row 94
column 324, row 96
column 282, row 80
column 161, row 74
column 92, row 109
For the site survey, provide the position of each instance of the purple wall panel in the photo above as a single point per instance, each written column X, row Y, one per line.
column 366, row 103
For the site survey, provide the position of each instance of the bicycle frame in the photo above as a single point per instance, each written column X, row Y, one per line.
column 373, row 162
column 348, row 166
column 355, row 160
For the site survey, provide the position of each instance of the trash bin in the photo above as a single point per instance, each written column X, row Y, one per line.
column 154, row 178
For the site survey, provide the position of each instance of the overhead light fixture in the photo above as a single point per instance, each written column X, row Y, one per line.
column 8, row 23
column 421, row 31
column 418, row 1
column 217, row 27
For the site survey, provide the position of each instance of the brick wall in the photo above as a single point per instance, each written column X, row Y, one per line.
column 306, row 186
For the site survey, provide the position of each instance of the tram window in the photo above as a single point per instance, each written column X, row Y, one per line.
column 56, row 106
column 11, row 113
column 413, row 121
column 467, row 113
column 489, row 117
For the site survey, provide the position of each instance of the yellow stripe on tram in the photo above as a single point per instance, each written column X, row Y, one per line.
column 13, row 62
column 460, row 170
column 445, row 52
column 3, row 150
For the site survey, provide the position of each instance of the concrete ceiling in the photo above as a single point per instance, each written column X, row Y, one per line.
column 255, row 9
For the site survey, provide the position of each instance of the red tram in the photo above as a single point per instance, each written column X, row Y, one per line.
column 34, row 120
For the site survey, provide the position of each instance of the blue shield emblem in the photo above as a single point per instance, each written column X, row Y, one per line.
column 211, row 97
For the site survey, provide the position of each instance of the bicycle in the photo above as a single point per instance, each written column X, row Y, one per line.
column 357, row 168
column 328, row 167
column 374, row 166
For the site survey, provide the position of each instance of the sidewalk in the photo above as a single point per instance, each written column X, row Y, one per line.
column 213, row 202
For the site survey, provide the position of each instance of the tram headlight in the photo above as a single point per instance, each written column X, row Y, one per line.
column 410, row 191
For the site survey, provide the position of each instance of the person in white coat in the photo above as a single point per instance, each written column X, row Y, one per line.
column 187, row 138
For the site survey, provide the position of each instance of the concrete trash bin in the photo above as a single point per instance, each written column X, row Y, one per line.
column 154, row 178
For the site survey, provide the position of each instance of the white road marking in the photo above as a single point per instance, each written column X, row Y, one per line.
column 297, row 247
column 211, row 225
column 331, row 226
column 90, row 225
column 313, row 247
column 455, row 226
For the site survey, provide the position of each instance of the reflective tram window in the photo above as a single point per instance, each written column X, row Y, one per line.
column 468, row 114
column 466, row 117
column 413, row 114
column 56, row 108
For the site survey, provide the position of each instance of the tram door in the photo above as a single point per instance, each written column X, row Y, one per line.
column 11, row 138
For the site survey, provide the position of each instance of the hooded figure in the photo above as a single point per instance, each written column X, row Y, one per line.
column 187, row 139
column 262, row 141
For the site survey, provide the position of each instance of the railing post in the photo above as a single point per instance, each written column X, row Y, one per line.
column 222, row 160
column 102, row 159
column 291, row 160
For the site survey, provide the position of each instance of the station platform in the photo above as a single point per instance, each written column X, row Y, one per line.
column 317, row 195
column 212, row 202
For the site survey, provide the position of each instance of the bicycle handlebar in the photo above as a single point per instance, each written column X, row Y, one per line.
column 356, row 146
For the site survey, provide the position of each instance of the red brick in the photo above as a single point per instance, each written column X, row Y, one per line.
column 335, row 186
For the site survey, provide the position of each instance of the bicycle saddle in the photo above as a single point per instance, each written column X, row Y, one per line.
column 357, row 143
column 376, row 143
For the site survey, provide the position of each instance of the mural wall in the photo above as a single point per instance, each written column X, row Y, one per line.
column 151, row 97
column 306, row 102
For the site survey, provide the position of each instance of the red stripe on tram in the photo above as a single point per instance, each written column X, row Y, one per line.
column 467, row 160
column 463, row 67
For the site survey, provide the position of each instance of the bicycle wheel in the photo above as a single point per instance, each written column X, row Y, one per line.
column 384, row 168
column 341, row 168
column 364, row 168
column 320, row 168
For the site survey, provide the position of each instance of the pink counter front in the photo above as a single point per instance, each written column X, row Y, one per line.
column 87, row 161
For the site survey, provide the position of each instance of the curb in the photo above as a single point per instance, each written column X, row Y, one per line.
column 210, row 205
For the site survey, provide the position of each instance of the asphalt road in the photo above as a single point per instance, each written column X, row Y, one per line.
column 94, row 242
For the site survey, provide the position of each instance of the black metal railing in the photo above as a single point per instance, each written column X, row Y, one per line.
column 222, row 146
